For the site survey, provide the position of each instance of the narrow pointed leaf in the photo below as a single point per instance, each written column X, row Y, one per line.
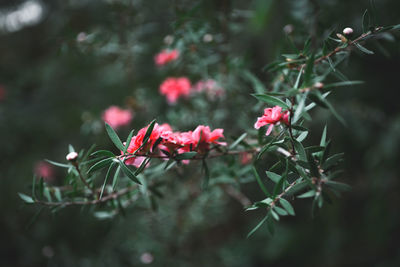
column 271, row 100
column 114, row 137
column 287, row 206
column 128, row 172
column 26, row 198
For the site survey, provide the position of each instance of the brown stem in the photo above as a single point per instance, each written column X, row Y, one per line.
column 278, row 197
column 82, row 178
column 339, row 49
column 114, row 195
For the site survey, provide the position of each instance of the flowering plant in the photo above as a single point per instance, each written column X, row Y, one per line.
column 113, row 181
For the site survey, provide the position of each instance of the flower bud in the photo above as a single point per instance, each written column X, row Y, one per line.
column 348, row 31
column 342, row 38
column 318, row 85
column 72, row 156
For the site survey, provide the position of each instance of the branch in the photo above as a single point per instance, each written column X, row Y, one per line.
column 114, row 195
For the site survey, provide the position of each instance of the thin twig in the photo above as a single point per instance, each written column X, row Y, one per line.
column 114, row 195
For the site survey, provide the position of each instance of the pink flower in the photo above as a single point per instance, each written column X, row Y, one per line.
column 44, row 170
column 272, row 116
column 210, row 87
column 173, row 142
column 117, row 117
column 245, row 158
column 173, row 88
column 165, row 57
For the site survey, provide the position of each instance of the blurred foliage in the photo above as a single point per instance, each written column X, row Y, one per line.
column 84, row 56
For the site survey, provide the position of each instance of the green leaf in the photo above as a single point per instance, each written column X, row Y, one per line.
column 142, row 166
column 271, row 100
column 273, row 176
column 237, row 141
column 297, row 83
column 274, row 215
column 116, row 177
column 323, row 136
column 300, row 108
column 47, row 194
column 338, row 186
column 300, row 150
column 287, row 206
column 102, row 153
column 57, row 194
column 308, row 194
column 363, row 49
column 149, row 130
column 258, row 226
column 186, row 155
column 128, row 172
column 100, row 165
column 106, row 179
column 71, row 148
column 333, row 160
column 114, row 137
column 345, row 83
column 280, row 211
column 58, row 164
column 26, row 198
column 314, row 149
column 313, row 165
column 128, row 141
column 365, row 21
column 302, row 136
column 260, row 183
column 308, row 71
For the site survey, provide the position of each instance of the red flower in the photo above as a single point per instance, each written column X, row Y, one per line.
column 165, row 57
column 173, row 142
column 272, row 116
column 173, row 88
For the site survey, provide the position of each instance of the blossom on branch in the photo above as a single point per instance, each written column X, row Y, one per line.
column 166, row 56
column 272, row 116
column 173, row 88
column 164, row 140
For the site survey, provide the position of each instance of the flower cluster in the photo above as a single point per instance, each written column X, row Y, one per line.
column 117, row 117
column 166, row 56
column 272, row 116
column 173, row 88
column 170, row 142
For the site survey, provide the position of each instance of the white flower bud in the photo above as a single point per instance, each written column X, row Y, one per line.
column 81, row 37
column 72, row 156
column 318, row 85
column 348, row 31
column 207, row 38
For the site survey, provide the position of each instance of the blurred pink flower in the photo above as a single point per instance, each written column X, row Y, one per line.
column 272, row 116
column 117, row 117
column 245, row 158
column 166, row 56
column 210, row 87
column 44, row 170
column 173, row 88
